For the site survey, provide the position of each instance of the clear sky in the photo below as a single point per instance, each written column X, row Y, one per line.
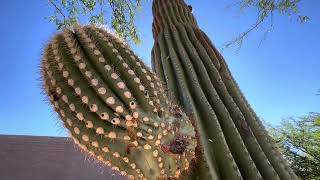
column 280, row 78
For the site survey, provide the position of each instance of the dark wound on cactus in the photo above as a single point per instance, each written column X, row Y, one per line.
column 234, row 143
column 114, row 107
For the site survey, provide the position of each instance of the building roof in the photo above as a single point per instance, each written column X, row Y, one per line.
column 48, row 158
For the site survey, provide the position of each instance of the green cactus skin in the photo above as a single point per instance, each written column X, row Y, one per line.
column 234, row 143
column 114, row 107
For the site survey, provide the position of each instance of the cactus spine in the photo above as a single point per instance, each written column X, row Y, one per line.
column 114, row 107
column 234, row 143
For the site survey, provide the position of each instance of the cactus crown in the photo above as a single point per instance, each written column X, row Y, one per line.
column 114, row 107
column 167, row 11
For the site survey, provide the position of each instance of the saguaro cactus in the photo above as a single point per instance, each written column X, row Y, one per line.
column 234, row 143
column 114, row 107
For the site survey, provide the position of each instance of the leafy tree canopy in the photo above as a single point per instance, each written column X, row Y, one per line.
column 299, row 140
column 267, row 10
column 122, row 12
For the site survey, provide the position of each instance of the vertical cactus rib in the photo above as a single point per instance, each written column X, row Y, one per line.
column 222, row 149
column 223, row 113
column 231, row 134
column 249, row 139
column 114, row 107
column 189, row 105
column 265, row 141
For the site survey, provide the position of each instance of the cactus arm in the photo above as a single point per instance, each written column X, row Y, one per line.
column 114, row 107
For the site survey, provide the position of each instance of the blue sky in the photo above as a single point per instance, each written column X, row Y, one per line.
column 279, row 78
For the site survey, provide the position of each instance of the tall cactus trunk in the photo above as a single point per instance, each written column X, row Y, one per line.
column 233, row 141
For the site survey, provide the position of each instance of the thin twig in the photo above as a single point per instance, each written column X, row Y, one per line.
column 57, row 8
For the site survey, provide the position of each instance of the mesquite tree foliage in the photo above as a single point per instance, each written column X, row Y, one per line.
column 233, row 141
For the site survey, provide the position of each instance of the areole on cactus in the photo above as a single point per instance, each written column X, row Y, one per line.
column 114, row 107
column 234, row 143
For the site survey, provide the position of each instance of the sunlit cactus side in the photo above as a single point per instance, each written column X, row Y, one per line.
column 234, row 143
column 114, row 107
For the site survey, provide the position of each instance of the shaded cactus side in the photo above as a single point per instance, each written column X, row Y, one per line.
column 234, row 143
column 114, row 107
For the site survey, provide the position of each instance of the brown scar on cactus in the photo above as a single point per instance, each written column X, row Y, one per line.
column 114, row 107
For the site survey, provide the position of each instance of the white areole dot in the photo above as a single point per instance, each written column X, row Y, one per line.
column 88, row 74
column 141, row 88
column 70, row 82
column 72, row 107
column 125, row 65
column 95, row 144
column 65, row 74
column 85, row 99
column 126, row 138
column 112, row 135
column 77, row 57
column 104, row 116
column 110, row 44
column 119, row 109
column 121, row 85
column 82, row 65
column 93, row 107
column 116, row 154
column 115, row 121
column 114, row 76
column 85, row 138
column 136, row 115
column 119, row 57
column 100, row 130
column 137, row 80
column 110, row 100
column 69, row 122
column 146, row 119
column 96, row 52
column 65, row 98
column 147, row 146
column 130, row 72
column 102, row 90
column 72, row 50
column 101, row 59
column 58, row 90
column 94, row 82
column 105, row 149
column 77, row 90
column 107, row 67
column 127, row 94
column 76, row 130
column 89, row 124
column 80, row 116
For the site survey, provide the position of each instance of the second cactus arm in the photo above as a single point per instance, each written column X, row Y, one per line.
column 234, row 144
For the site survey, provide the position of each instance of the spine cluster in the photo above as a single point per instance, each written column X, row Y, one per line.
column 114, row 107
column 234, row 143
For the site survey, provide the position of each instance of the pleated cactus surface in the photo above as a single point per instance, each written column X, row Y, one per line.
column 114, row 107
column 234, row 143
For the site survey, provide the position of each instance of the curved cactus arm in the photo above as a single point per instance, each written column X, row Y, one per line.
column 200, row 64
column 114, row 107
